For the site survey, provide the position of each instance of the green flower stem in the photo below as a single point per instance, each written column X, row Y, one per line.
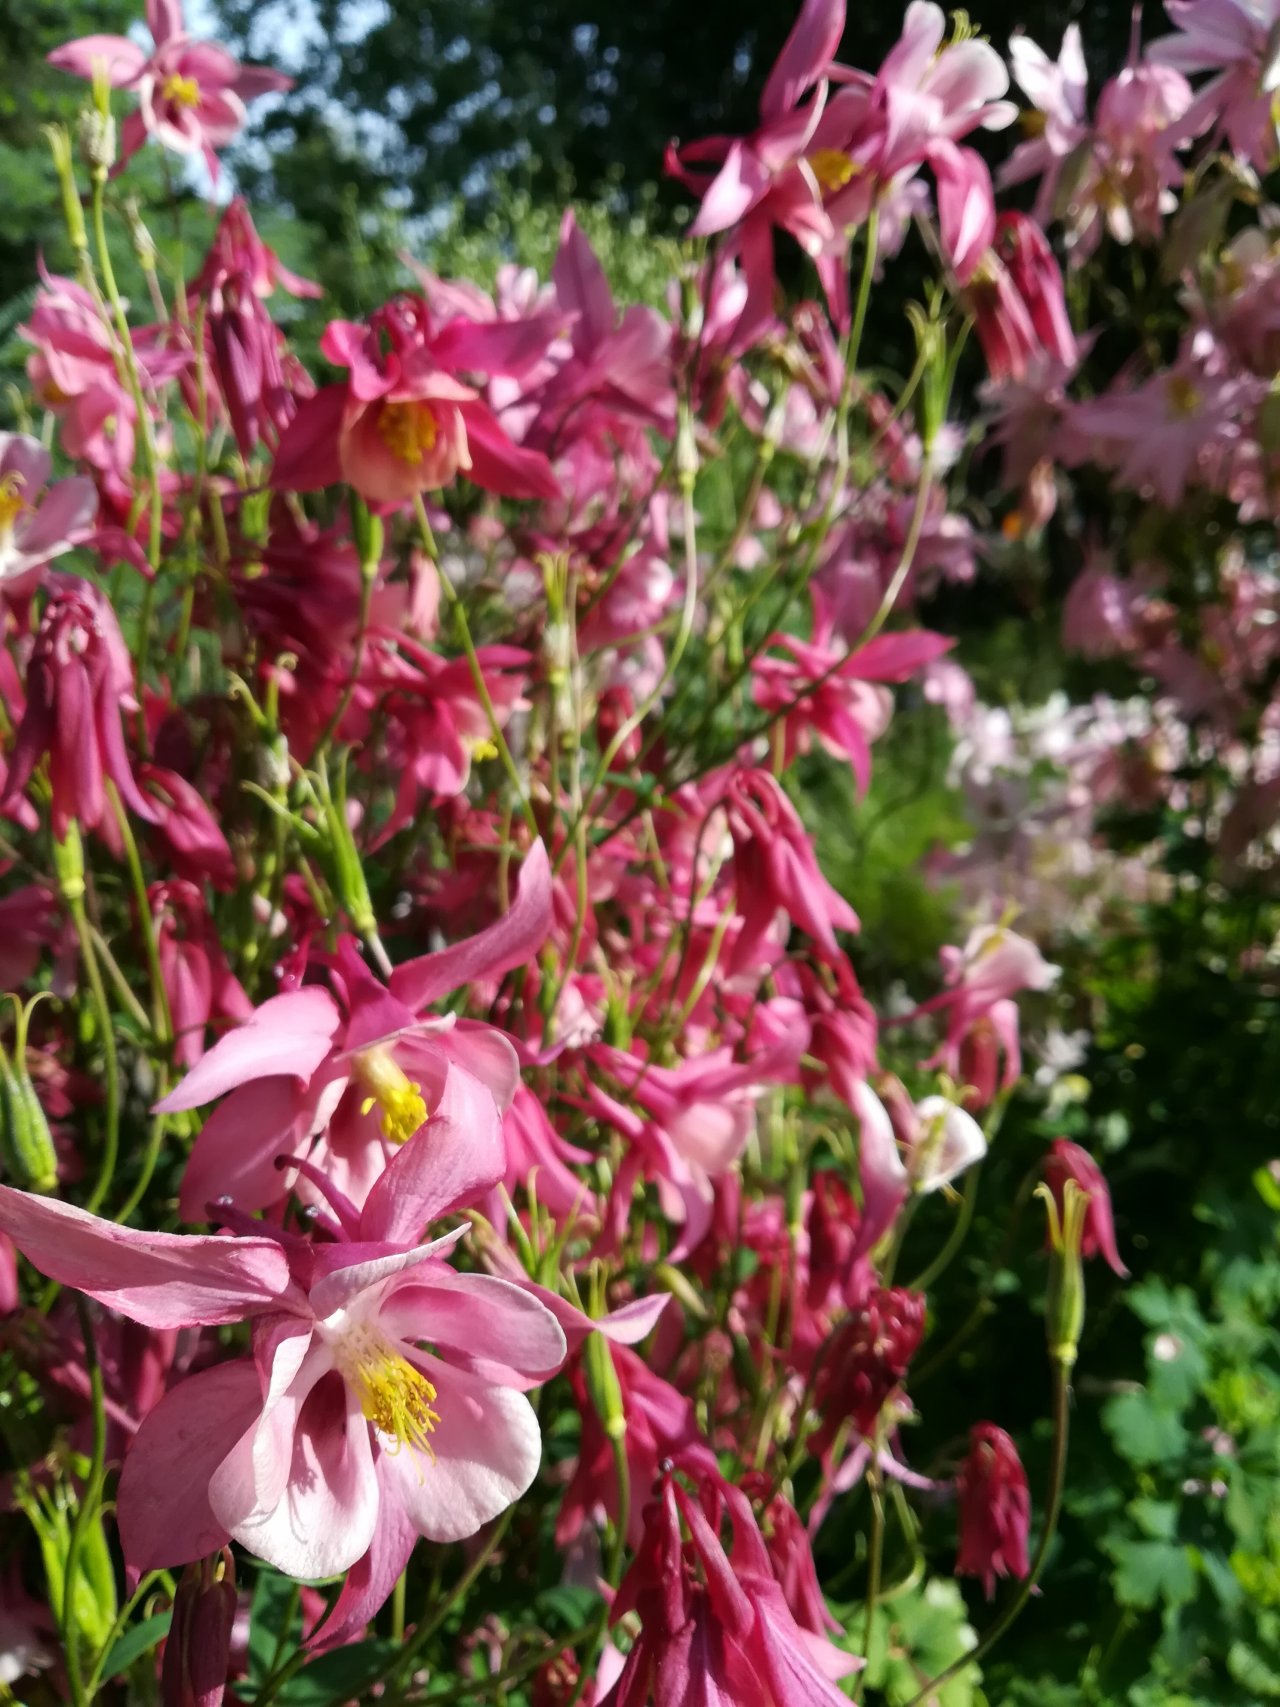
column 875, row 1563
column 1053, row 1509
column 111, row 1065
column 959, row 1232
column 85, row 1509
column 473, row 662
column 161, row 1018
column 126, row 1612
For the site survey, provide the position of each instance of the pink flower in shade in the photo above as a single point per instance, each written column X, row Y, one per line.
column 33, row 528
column 191, row 94
column 1169, row 433
column 341, row 1440
column 79, row 680
column 791, row 1557
column 196, row 844
column 715, row 1626
column 817, row 691
column 775, row 176
column 201, row 988
column 775, row 870
column 403, row 422
column 539, row 1159
column 339, row 1087
column 982, row 1019
column 865, row 1363
column 1099, row 615
column 1057, row 125
column 1236, row 40
column 1019, row 303
column 1068, row 1161
column 995, row 1509
column 1143, row 119
column 660, row 1424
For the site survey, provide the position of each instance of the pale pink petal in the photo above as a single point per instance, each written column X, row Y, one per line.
column 123, row 59
column 163, row 1280
column 487, row 1447
column 288, row 1034
column 163, row 1501
column 485, row 1318
column 329, row 1512
column 511, row 941
column 733, row 192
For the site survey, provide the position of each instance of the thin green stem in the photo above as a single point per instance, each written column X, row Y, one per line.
column 1053, row 1509
column 85, row 1508
column 126, row 1612
column 111, row 1065
column 875, row 1564
column 162, row 1020
column 473, row 663
column 968, row 1203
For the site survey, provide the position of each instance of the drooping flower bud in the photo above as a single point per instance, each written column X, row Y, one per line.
column 197, row 1654
column 995, row 1509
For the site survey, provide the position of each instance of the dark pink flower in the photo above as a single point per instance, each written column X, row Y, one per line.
column 995, row 1509
column 404, row 422
column 79, row 680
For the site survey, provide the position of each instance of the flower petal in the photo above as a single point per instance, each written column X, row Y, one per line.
column 288, row 1034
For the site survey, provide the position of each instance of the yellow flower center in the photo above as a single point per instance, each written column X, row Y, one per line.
column 397, row 1398
column 12, row 503
column 409, row 430
column 832, row 168
column 399, row 1098
column 183, row 91
column 1033, row 122
column 481, row 747
column 1184, row 399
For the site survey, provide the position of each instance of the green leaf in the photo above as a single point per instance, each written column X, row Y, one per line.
column 135, row 1643
column 1150, row 1572
column 272, row 1615
column 1250, row 1670
column 1143, row 1432
column 341, row 1676
column 916, row 1636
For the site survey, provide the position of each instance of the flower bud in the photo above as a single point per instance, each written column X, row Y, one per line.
column 865, row 1362
column 368, row 533
column 59, row 139
column 25, row 1142
column 68, row 865
column 197, row 1654
column 1064, row 1303
column 1067, row 1161
column 603, row 1386
column 51, row 1511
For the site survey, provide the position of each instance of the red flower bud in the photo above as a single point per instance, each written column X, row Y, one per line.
column 1068, row 1161
column 865, row 1362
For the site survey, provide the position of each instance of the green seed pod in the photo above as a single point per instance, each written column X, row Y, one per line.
column 602, row 1384
column 25, row 1142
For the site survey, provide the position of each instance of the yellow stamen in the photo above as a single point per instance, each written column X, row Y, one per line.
column 482, row 748
column 832, row 168
column 12, row 503
column 409, row 430
column 397, row 1398
column 1184, row 399
column 185, row 91
column 399, row 1098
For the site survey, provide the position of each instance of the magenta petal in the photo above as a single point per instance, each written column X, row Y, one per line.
column 288, row 1034
column 806, row 55
column 506, row 347
column 163, row 1280
column 451, row 1161
column 235, row 1154
column 372, row 1578
column 501, row 466
column 487, row 1447
column 734, row 191
column 510, row 941
column 307, row 456
column 581, row 286
column 163, row 1502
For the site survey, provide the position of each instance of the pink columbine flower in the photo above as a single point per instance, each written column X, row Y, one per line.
column 79, row 680
column 838, row 699
column 337, row 1087
column 775, row 870
column 1068, row 1161
column 1237, row 41
column 403, row 422
column 714, row 1623
column 191, row 94
column 341, row 1440
column 1057, row 124
column 1019, row 302
column 34, row 529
